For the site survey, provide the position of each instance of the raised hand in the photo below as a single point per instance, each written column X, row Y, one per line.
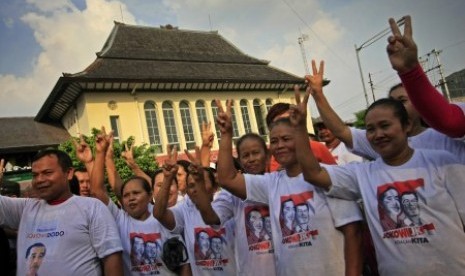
column 315, row 81
column 110, row 151
column 2, row 169
column 195, row 168
column 224, row 118
column 83, row 150
column 402, row 50
column 298, row 111
column 128, row 156
column 170, row 168
column 207, row 134
column 102, row 141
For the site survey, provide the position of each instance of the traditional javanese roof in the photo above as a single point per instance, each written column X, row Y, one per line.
column 23, row 134
column 165, row 59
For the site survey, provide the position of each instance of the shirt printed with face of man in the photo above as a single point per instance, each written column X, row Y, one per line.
column 211, row 250
column 415, row 211
column 303, row 222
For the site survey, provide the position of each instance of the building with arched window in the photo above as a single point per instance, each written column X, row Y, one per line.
column 160, row 84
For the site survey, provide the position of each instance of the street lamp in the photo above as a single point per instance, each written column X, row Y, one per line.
column 367, row 43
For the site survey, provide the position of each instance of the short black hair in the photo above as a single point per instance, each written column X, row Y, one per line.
column 143, row 181
column 253, row 136
column 37, row 244
column 63, row 158
column 276, row 110
column 397, row 107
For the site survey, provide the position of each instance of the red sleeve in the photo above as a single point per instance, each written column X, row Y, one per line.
column 322, row 153
column 432, row 106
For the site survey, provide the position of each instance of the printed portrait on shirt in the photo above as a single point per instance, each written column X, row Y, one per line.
column 209, row 243
column 296, row 212
column 145, row 251
column 398, row 204
column 34, row 257
column 257, row 223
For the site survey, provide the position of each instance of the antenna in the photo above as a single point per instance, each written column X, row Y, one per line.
column 300, row 40
column 121, row 11
column 210, row 21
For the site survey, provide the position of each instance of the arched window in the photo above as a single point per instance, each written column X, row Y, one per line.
column 152, row 125
column 259, row 111
column 269, row 103
column 215, row 115
column 201, row 113
column 245, row 116
column 234, row 124
column 170, row 124
column 187, row 125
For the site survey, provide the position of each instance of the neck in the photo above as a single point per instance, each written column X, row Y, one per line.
column 332, row 144
column 417, row 128
column 293, row 170
column 144, row 216
column 400, row 158
column 60, row 199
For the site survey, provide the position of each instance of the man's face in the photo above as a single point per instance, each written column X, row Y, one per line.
column 151, row 250
column 302, row 215
column 410, row 204
column 324, row 134
column 138, row 246
column 216, row 245
column 49, row 179
column 84, row 183
column 255, row 220
column 35, row 258
column 204, row 240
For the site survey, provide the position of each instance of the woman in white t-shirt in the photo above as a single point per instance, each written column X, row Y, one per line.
column 296, row 253
column 141, row 234
column 435, row 178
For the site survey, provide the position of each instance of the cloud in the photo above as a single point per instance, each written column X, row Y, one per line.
column 69, row 39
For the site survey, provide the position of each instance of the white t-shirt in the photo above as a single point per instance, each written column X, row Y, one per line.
column 343, row 156
column 303, row 223
column 211, row 250
column 253, row 239
column 71, row 237
column 428, row 139
column 415, row 211
column 142, row 243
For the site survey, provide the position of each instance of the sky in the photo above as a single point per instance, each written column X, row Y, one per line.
column 41, row 39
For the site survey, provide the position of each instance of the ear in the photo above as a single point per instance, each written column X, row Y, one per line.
column 70, row 173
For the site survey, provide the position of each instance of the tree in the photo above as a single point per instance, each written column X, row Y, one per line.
column 144, row 155
column 360, row 119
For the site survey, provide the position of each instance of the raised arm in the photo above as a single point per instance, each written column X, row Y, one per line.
column 228, row 177
column 203, row 198
column 207, row 143
column 84, row 153
column 97, row 180
column 128, row 156
column 311, row 169
column 403, row 55
column 160, row 209
column 332, row 121
column 113, row 176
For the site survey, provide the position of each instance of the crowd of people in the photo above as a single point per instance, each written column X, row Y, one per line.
column 384, row 200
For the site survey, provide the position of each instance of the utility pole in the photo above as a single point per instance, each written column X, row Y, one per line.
column 301, row 40
column 371, row 86
column 443, row 82
column 367, row 43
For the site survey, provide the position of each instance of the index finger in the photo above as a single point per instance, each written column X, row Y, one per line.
column 297, row 94
column 219, row 105
column 394, row 27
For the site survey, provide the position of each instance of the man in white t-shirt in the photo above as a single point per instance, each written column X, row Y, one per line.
column 60, row 233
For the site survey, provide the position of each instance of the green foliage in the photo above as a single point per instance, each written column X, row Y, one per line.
column 143, row 155
column 360, row 119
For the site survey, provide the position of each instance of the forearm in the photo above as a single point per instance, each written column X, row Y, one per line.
column 89, row 166
column 139, row 172
column 227, row 173
column 205, row 155
column 353, row 248
column 160, row 209
column 432, row 106
column 185, row 270
column 332, row 121
column 97, row 186
column 113, row 177
column 113, row 265
column 209, row 215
